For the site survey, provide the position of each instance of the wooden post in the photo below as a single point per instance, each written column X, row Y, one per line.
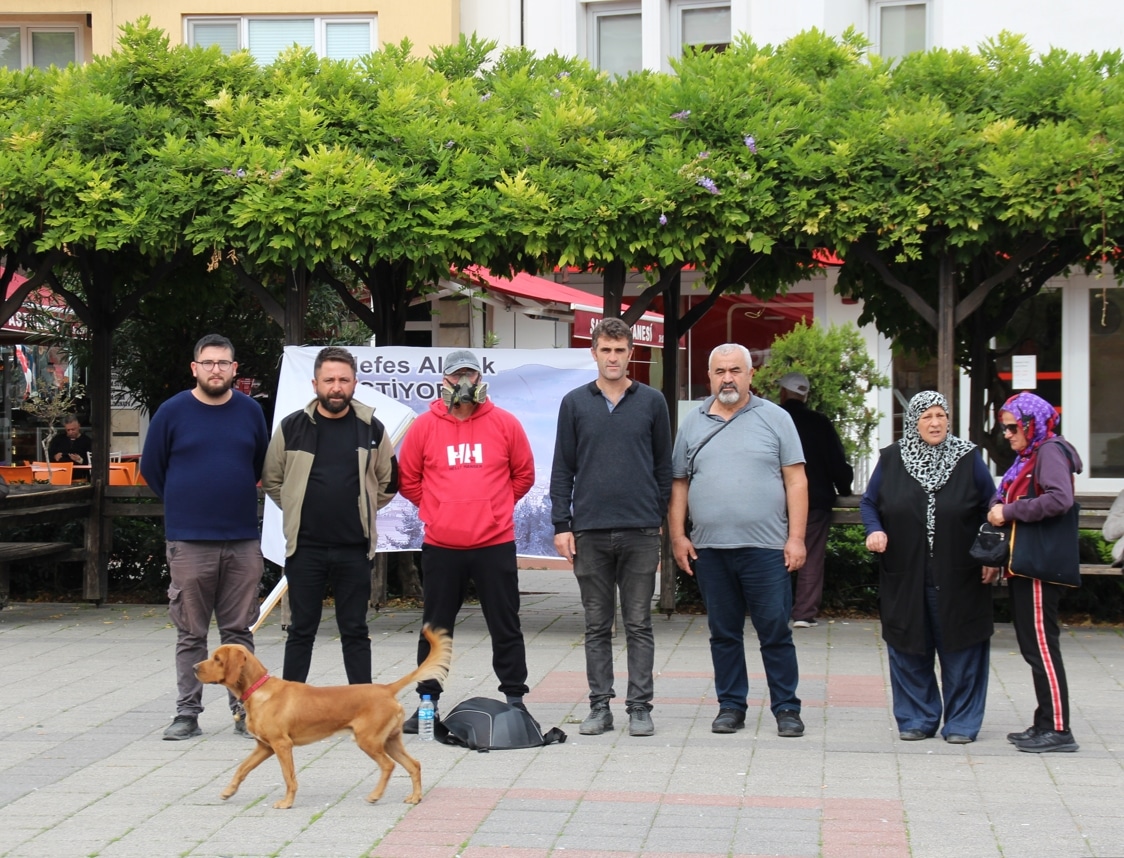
column 95, row 576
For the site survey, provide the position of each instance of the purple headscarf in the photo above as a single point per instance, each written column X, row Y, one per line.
column 1039, row 420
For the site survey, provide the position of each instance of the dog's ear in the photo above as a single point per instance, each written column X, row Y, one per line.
column 234, row 660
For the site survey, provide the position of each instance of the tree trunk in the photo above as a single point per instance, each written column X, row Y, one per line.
column 612, row 289
column 96, row 576
column 946, row 330
column 668, row 569
column 296, row 305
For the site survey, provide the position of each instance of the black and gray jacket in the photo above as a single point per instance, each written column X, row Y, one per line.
column 288, row 462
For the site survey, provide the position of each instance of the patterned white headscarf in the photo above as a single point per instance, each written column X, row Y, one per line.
column 930, row 464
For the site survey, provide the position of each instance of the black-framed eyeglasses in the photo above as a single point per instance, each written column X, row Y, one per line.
column 208, row 365
column 1010, row 428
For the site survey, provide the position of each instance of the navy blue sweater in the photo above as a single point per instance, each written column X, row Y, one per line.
column 204, row 462
column 611, row 469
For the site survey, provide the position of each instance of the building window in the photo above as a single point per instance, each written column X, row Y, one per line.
column 614, row 37
column 266, row 37
column 701, row 25
column 1105, row 456
column 42, row 47
column 899, row 28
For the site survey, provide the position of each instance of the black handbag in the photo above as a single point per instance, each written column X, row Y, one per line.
column 1048, row 549
column 992, row 546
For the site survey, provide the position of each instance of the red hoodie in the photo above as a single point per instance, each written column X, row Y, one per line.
column 465, row 476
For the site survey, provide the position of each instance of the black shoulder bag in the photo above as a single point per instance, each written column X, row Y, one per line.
column 1048, row 549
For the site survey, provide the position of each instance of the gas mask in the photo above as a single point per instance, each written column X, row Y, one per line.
column 464, row 391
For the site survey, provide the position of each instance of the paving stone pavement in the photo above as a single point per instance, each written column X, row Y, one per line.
column 86, row 692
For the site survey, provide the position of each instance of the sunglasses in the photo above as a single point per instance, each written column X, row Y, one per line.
column 1010, row 428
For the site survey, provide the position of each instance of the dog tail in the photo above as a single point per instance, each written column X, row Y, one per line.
column 436, row 664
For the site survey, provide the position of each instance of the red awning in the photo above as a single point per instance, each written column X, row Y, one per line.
column 42, row 297
column 536, row 289
column 542, row 298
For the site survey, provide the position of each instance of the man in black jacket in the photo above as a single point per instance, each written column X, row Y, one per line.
column 609, row 490
column 828, row 475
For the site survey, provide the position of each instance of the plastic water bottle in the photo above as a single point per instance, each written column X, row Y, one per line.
column 425, row 719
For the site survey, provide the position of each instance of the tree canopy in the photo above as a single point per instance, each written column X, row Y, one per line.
column 953, row 183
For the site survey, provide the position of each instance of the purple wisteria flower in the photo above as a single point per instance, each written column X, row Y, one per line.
column 449, row 144
column 563, row 74
column 703, row 156
column 681, row 115
column 750, row 143
column 663, row 220
column 707, row 184
column 485, row 96
column 240, row 173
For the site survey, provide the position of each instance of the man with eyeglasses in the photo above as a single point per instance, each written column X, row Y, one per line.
column 465, row 464
column 203, row 458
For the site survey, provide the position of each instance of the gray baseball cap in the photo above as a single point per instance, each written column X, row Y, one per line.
column 797, row 382
column 458, row 360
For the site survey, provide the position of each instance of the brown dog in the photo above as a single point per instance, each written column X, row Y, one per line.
column 282, row 714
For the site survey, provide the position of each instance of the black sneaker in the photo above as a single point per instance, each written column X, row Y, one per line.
column 183, row 727
column 1048, row 740
column 1029, row 733
column 789, row 723
column 640, row 722
column 597, row 721
column 728, row 721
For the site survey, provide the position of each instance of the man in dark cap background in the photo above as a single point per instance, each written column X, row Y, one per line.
column 829, row 475
column 465, row 464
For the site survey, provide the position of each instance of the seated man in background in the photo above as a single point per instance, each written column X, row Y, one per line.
column 72, row 446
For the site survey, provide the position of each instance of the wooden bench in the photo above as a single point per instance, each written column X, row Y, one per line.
column 11, row 552
column 33, row 504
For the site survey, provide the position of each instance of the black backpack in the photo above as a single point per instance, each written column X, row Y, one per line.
column 483, row 724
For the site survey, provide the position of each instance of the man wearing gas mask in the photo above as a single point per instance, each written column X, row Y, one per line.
column 465, row 464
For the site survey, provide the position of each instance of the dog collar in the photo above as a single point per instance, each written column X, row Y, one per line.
column 253, row 688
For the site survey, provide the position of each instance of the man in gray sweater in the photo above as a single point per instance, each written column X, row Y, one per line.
column 609, row 490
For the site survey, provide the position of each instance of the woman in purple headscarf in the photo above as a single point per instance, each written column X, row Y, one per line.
column 1046, row 462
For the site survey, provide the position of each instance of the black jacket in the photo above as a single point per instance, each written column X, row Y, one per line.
column 963, row 603
column 824, row 460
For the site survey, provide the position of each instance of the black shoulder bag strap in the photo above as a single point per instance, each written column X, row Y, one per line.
column 705, row 441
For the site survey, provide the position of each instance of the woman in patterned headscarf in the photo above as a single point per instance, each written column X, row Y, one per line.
column 922, row 508
column 1046, row 462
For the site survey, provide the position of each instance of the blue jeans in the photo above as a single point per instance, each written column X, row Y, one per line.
column 731, row 581
column 963, row 692
column 608, row 562
column 308, row 572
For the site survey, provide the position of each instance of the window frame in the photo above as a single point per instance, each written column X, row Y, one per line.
column 675, row 21
column 875, row 34
column 27, row 30
column 595, row 11
column 320, row 27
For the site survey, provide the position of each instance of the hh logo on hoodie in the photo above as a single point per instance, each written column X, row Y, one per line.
column 465, row 454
